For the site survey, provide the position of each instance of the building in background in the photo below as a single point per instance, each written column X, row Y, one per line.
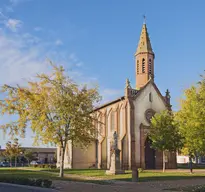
column 42, row 155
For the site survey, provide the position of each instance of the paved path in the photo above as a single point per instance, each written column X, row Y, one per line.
column 6, row 187
column 155, row 186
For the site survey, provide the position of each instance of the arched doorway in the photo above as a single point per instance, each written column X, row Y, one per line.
column 149, row 155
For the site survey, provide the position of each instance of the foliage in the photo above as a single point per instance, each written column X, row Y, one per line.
column 12, row 150
column 28, row 154
column 164, row 133
column 56, row 108
column 50, row 166
column 140, row 170
column 191, row 119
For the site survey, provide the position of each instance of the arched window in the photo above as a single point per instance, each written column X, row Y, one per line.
column 138, row 67
column 121, row 121
column 112, row 121
column 143, row 65
column 150, row 66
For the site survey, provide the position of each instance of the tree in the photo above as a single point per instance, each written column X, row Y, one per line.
column 7, row 153
column 12, row 150
column 56, row 108
column 164, row 133
column 55, row 157
column 191, row 120
column 28, row 154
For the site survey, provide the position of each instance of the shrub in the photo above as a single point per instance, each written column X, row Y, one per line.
column 47, row 183
column 26, row 181
column 47, row 166
column 140, row 170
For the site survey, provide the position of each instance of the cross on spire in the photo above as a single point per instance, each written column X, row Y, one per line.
column 144, row 17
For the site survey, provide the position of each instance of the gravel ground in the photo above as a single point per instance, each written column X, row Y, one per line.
column 155, row 186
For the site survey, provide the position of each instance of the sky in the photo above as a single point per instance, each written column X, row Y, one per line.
column 96, row 40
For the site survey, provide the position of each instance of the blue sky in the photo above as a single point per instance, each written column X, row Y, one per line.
column 96, row 42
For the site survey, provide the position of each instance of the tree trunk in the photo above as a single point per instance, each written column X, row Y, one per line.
column 164, row 161
column 15, row 161
column 62, row 161
column 190, row 164
column 10, row 162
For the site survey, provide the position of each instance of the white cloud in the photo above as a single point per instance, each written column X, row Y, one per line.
column 19, row 62
column 9, row 9
column 15, row 2
column 79, row 64
column 38, row 29
column 110, row 94
column 58, row 42
column 13, row 24
column 75, row 60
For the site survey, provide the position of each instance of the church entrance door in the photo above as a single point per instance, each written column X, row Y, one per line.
column 149, row 155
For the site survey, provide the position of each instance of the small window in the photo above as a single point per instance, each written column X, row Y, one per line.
column 138, row 67
column 150, row 97
column 143, row 65
column 150, row 66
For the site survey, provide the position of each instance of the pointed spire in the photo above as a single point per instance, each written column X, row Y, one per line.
column 144, row 45
column 168, row 94
column 127, row 84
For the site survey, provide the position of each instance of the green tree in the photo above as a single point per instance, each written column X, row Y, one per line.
column 55, row 157
column 56, row 108
column 8, row 153
column 12, row 150
column 191, row 120
column 28, row 154
column 164, row 134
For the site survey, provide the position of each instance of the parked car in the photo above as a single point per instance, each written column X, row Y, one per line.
column 34, row 163
column 4, row 164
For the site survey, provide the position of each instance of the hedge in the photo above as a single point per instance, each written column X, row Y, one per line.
column 47, row 166
column 26, row 181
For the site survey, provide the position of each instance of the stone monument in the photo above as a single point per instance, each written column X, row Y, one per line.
column 115, row 158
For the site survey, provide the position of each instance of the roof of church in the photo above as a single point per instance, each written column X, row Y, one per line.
column 156, row 88
column 144, row 44
column 137, row 95
column 110, row 103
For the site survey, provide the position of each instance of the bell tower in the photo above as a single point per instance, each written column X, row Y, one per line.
column 144, row 58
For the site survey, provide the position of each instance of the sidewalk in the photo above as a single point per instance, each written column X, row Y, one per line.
column 155, row 186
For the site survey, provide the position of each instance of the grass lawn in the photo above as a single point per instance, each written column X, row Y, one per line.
column 39, row 174
column 94, row 175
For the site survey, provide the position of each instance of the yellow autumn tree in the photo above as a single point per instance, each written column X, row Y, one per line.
column 191, row 122
column 57, row 110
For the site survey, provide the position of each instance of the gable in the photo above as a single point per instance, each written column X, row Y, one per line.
column 148, row 97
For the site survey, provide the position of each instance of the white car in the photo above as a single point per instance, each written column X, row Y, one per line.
column 34, row 163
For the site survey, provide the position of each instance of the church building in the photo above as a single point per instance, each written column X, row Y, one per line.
column 130, row 117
